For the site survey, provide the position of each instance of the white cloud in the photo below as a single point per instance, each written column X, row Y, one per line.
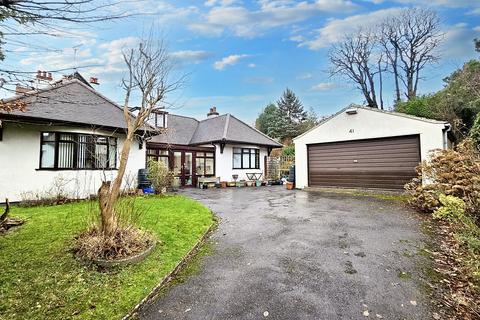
column 211, row 3
column 252, row 65
column 441, row 3
column 305, row 76
column 323, row 86
column 102, row 61
column 248, row 23
column 335, row 29
column 229, row 61
column 191, row 56
column 458, row 42
column 477, row 29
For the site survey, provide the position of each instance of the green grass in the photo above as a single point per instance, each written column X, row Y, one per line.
column 41, row 279
column 378, row 194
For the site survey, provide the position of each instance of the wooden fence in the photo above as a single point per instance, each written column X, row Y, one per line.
column 278, row 167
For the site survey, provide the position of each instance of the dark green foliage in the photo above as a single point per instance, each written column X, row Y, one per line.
column 288, row 150
column 291, row 110
column 419, row 106
column 291, row 107
column 474, row 133
column 477, row 44
column 270, row 122
column 458, row 102
column 287, row 119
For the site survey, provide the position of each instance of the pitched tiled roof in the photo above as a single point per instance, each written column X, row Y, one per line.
column 70, row 102
column 221, row 128
column 179, row 130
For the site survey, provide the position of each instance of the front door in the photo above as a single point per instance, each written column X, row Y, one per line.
column 183, row 167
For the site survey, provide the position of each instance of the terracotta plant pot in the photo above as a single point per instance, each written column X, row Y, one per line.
column 290, row 185
column 223, row 184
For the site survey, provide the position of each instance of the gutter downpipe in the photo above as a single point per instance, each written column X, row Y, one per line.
column 446, row 130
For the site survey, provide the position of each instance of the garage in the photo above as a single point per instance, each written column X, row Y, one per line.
column 361, row 147
column 386, row 163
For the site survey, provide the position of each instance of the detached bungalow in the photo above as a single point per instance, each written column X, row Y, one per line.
column 362, row 147
column 220, row 146
column 68, row 141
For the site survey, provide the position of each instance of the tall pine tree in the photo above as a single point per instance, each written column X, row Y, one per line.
column 292, row 113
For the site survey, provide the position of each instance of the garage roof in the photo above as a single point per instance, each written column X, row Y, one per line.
column 391, row 113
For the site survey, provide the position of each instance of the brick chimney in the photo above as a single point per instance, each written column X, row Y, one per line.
column 212, row 113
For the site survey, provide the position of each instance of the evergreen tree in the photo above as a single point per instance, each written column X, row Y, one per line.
column 270, row 121
column 292, row 112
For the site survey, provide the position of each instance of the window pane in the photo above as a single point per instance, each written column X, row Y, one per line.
column 163, row 152
column 237, row 150
column 65, row 155
column 151, row 151
column 200, row 154
column 237, row 160
column 67, row 136
column 246, row 161
column 48, row 136
column 209, row 166
column 257, row 159
column 48, row 155
column 100, row 156
column 200, row 166
column 209, row 154
column 177, row 163
column 112, row 156
column 154, row 158
column 101, row 140
column 164, row 160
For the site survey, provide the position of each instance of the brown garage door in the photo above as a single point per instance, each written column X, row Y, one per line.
column 386, row 163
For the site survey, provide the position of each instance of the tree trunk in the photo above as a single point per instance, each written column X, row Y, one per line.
column 108, row 216
column 395, row 76
column 380, row 84
column 108, row 193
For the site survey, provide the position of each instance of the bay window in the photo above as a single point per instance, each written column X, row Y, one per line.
column 77, row 151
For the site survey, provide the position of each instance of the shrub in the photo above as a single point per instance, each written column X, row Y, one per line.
column 452, row 209
column 288, row 150
column 449, row 172
column 159, row 175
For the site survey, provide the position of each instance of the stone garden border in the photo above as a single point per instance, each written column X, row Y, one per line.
column 125, row 261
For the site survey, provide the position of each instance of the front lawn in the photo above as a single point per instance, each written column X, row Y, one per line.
column 41, row 279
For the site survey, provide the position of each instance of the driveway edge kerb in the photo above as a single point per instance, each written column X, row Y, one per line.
column 179, row 267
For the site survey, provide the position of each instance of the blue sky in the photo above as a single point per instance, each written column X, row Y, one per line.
column 241, row 55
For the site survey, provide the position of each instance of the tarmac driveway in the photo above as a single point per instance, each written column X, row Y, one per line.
column 282, row 254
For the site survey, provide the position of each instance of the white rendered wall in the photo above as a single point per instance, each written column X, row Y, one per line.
column 366, row 125
column 19, row 163
column 224, row 163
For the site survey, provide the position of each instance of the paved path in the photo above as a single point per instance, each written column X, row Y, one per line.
column 302, row 255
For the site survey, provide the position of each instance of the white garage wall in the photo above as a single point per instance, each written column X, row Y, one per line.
column 366, row 124
column 224, row 163
column 19, row 161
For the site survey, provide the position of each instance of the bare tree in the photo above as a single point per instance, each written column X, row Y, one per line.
column 22, row 19
column 357, row 59
column 150, row 77
column 409, row 41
